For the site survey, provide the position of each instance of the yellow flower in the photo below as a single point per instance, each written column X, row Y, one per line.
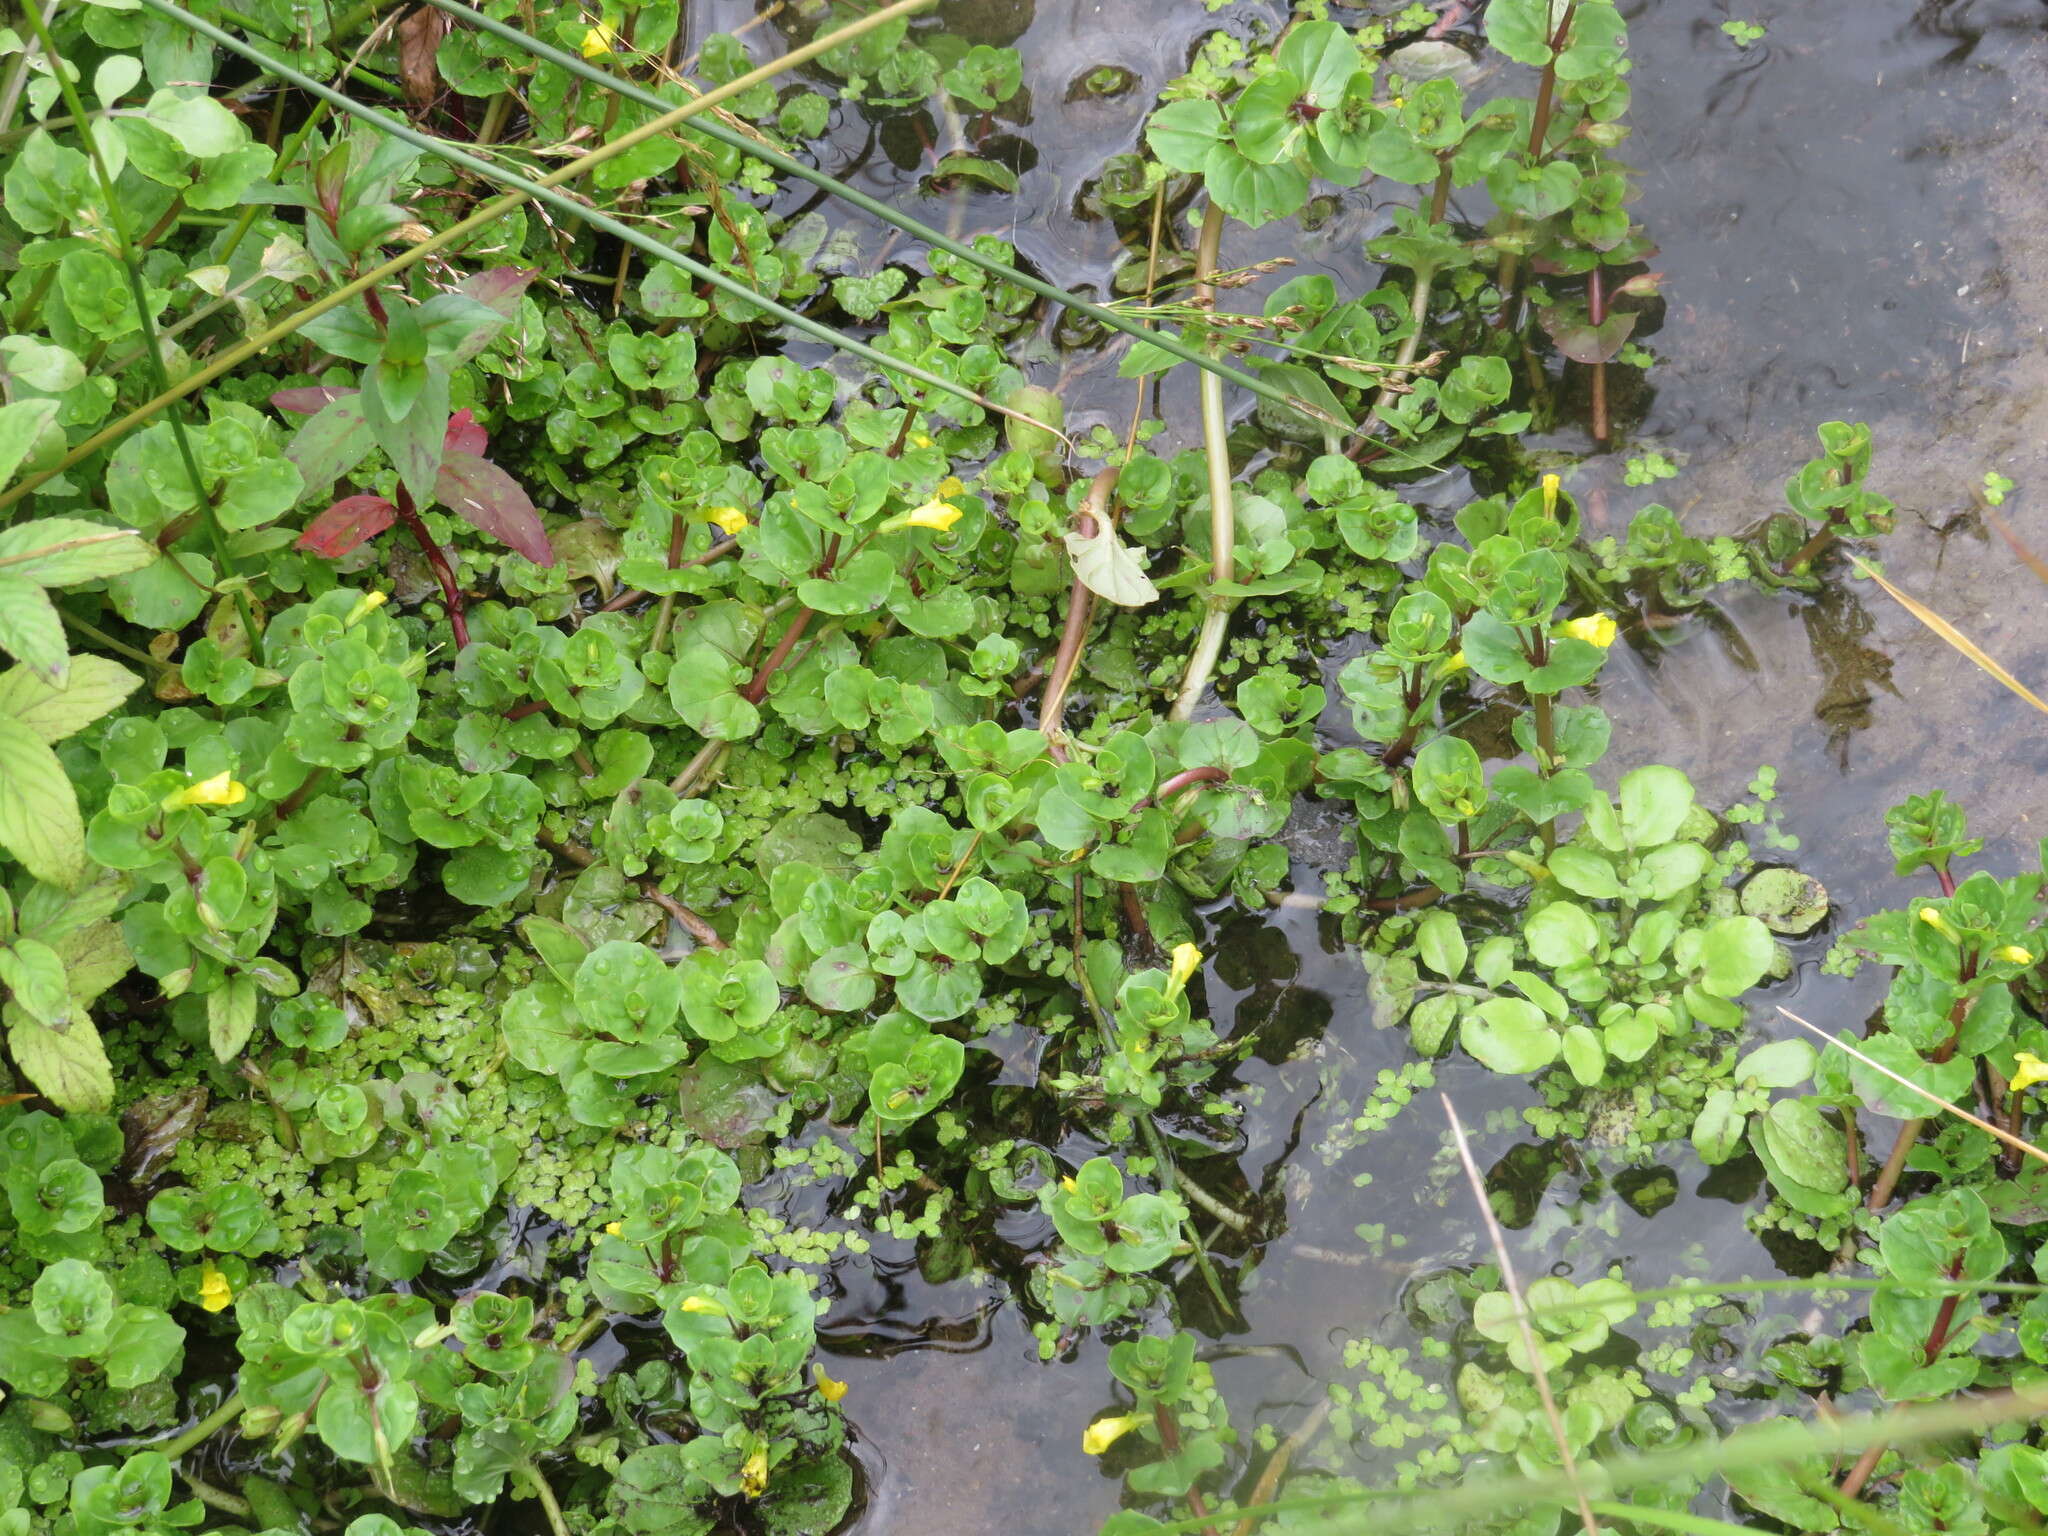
column 702, row 1304
column 2032, row 1070
column 1104, row 1433
column 215, row 1293
column 934, row 514
column 1067, row 1183
column 1940, row 925
column 221, row 789
column 1595, row 628
column 754, row 1475
column 597, row 42
column 730, row 519
column 366, row 605
column 920, row 440
column 1455, row 662
column 1187, row 959
column 2012, row 954
column 613, row 1228
column 1550, row 485
column 830, row 1390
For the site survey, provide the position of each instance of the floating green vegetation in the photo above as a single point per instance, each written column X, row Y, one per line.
column 584, row 742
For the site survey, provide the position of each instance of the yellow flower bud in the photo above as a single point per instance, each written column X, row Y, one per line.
column 597, row 42
column 730, row 520
column 1595, row 628
column 2012, row 954
column 1186, row 961
column 221, row 789
column 366, row 605
column 1104, row 1433
column 934, row 514
column 920, row 440
column 754, row 1475
column 613, row 1228
column 214, row 1291
column 2031, row 1070
column 1455, row 662
column 702, row 1304
column 1940, row 925
column 1550, row 486
column 830, row 1390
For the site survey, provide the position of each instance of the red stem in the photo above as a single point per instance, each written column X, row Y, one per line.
column 438, row 559
column 1937, row 1336
column 756, row 690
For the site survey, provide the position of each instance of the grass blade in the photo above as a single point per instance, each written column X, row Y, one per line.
column 1949, row 633
column 544, row 191
column 1652, row 1518
column 484, row 216
column 1393, row 1511
column 710, row 128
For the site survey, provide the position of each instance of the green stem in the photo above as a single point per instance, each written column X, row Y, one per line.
column 204, row 1430
column 285, row 156
column 1222, row 500
column 1418, row 302
column 539, row 1483
column 106, row 641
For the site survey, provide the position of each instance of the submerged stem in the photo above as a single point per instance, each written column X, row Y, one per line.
column 1222, row 500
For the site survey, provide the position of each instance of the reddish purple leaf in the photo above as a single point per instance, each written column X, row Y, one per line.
column 500, row 288
column 347, row 524
column 487, row 498
column 464, row 435
column 304, row 402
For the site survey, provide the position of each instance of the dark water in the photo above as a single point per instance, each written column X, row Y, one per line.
column 1845, row 213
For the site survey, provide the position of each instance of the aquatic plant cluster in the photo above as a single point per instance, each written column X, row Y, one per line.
column 552, row 690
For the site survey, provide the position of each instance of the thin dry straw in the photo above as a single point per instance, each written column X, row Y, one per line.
column 1935, row 1099
column 1529, row 1341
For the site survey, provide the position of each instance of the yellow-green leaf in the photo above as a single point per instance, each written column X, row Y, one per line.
column 94, row 686
column 68, row 1066
column 61, row 551
column 39, row 821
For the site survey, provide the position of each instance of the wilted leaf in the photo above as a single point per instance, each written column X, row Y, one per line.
column 419, row 41
column 1106, row 566
column 153, row 1127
